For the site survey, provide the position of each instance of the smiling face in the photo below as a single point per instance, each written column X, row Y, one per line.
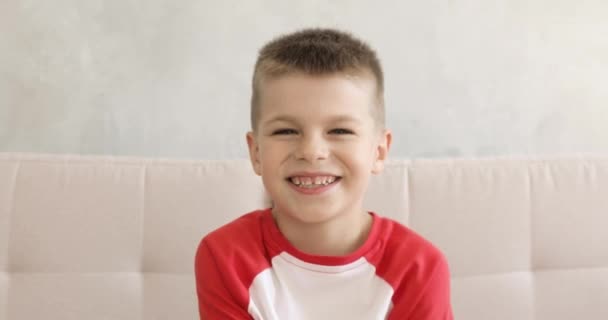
column 317, row 143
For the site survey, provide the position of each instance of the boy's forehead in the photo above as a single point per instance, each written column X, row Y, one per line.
column 351, row 97
column 285, row 94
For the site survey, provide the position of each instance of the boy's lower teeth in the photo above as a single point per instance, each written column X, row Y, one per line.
column 311, row 186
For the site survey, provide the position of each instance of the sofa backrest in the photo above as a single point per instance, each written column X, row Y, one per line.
column 96, row 237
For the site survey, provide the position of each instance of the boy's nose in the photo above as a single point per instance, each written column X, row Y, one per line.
column 312, row 149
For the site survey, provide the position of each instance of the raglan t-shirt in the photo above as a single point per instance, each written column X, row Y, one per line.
column 248, row 270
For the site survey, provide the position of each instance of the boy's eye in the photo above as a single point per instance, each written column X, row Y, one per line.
column 284, row 132
column 341, row 131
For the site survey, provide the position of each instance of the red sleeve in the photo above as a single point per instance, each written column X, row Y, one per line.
column 432, row 302
column 214, row 300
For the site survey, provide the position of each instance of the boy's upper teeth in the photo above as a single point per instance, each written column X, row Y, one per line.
column 313, row 180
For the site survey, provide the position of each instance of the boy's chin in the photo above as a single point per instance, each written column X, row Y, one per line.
column 307, row 214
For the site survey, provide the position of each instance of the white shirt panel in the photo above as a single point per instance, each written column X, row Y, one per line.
column 296, row 290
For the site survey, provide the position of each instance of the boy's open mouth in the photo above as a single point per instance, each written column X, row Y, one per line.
column 313, row 182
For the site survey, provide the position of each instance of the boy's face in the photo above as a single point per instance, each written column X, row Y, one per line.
column 317, row 144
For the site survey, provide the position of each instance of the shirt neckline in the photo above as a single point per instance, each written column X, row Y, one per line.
column 281, row 243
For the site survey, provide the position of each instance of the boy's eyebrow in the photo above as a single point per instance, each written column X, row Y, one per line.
column 280, row 118
column 287, row 118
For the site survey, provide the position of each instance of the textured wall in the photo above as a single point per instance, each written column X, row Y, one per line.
column 171, row 78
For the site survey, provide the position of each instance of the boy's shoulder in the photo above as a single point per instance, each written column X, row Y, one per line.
column 402, row 241
column 237, row 246
column 243, row 229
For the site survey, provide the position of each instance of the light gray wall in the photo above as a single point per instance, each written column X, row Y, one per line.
column 171, row 78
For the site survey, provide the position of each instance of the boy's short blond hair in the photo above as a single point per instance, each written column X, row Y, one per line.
column 317, row 52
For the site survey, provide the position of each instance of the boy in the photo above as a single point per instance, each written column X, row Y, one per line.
column 317, row 117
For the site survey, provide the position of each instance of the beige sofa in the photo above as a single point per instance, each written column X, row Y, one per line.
column 114, row 237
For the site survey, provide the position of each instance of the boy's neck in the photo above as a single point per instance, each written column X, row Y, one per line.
column 339, row 236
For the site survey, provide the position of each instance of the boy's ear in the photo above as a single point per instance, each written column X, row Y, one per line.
column 384, row 144
column 254, row 153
